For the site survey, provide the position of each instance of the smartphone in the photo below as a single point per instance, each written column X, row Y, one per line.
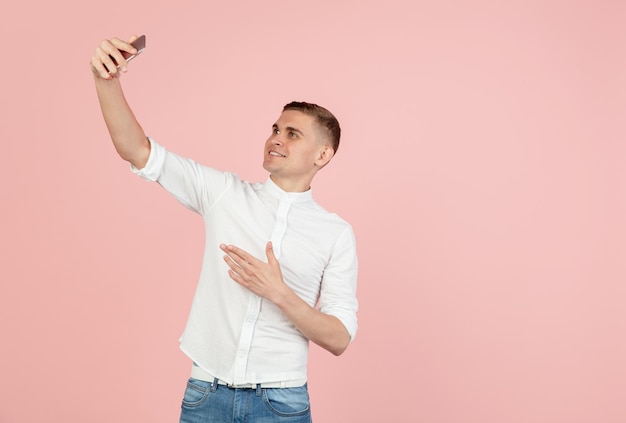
column 139, row 44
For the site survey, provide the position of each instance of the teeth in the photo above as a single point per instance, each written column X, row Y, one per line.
column 273, row 153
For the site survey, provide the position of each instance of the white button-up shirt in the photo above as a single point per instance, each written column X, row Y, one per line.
column 232, row 333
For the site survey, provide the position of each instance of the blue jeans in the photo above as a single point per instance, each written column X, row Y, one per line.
column 206, row 402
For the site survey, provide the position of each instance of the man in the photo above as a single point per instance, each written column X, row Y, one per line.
column 272, row 254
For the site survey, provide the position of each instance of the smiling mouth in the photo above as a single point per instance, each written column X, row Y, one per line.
column 275, row 154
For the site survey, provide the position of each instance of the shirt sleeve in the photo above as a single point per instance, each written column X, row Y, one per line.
column 195, row 186
column 338, row 290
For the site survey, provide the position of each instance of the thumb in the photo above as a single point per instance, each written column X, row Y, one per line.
column 269, row 252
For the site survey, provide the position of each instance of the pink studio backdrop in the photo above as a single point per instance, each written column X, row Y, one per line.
column 482, row 167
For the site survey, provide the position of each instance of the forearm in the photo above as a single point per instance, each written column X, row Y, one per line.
column 127, row 135
column 265, row 280
column 323, row 329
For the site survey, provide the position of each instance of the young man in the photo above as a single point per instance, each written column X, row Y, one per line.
column 272, row 254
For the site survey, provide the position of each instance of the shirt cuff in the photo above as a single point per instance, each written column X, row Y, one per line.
column 348, row 319
column 152, row 169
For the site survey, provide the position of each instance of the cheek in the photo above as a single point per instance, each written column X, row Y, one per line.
column 305, row 154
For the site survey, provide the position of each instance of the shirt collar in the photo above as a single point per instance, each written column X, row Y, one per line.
column 278, row 192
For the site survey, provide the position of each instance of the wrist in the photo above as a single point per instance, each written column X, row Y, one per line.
column 283, row 298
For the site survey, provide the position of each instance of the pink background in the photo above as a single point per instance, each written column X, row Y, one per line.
column 482, row 167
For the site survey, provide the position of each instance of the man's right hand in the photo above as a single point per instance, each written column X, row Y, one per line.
column 127, row 135
column 108, row 60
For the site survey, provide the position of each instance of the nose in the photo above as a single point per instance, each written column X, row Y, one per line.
column 277, row 140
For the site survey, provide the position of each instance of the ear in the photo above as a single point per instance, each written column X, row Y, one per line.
column 325, row 153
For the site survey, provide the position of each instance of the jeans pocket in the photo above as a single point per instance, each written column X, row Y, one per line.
column 287, row 402
column 196, row 393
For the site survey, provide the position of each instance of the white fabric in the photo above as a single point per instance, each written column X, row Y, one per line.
column 200, row 374
column 232, row 333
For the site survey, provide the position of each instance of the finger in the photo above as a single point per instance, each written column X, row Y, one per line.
column 269, row 252
column 230, row 255
column 99, row 69
column 107, row 62
column 114, row 49
column 128, row 50
column 239, row 275
column 116, row 55
column 245, row 270
column 108, row 56
column 234, row 276
column 125, row 45
column 236, row 267
column 239, row 255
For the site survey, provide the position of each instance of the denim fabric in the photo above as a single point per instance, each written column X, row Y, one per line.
column 206, row 402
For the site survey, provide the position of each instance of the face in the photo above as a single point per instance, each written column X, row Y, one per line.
column 294, row 152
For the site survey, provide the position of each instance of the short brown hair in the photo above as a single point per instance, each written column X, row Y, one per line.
column 325, row 119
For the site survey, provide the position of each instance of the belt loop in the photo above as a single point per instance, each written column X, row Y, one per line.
column 259, row 391
column 214, row 385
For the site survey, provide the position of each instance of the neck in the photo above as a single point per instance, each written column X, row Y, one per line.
column 290, row 185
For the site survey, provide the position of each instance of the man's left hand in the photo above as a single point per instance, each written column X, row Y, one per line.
column 264, row 279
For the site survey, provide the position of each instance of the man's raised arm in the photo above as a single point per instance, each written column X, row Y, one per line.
column 128, row 137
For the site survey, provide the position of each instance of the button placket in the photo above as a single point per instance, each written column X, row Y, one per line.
column 245, row 340
column 280, row 227
column 254, row 305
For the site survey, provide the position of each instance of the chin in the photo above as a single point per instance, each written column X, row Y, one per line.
column 267, row 167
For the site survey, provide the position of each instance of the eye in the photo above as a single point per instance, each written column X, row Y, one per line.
column 293, row 134
column 275, row 131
